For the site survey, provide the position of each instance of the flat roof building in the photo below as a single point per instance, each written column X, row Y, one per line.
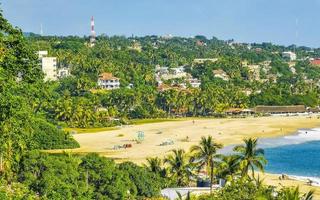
column 49, row 68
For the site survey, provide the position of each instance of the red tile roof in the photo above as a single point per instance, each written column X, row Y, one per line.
column 107, row 76
column 315, row 62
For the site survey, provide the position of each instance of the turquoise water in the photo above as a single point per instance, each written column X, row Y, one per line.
column 297, row 159
column 296, row 155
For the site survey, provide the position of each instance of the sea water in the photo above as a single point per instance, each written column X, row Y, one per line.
column 295, row 155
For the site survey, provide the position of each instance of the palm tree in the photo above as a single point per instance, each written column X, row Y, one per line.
column 179, row 167
column 205, row 153
column 227, row 167
column 250, row 157
column 154, row 165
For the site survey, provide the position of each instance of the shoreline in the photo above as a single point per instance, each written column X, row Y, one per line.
column 293, row 181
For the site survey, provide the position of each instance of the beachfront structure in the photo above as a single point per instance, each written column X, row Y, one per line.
column 239, row 111
column 280, row 109
column 289, row 55
column 49, row 68
column 108, row 81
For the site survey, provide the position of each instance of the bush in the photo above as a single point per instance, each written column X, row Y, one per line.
column 148, row 184
column 47, row 136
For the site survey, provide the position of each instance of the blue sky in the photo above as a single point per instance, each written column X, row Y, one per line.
column 274, row 21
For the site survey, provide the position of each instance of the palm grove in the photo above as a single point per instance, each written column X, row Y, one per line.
column 74, row 101
column 31, row 110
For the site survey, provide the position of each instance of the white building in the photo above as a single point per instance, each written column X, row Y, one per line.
column 42, row 54
column 288, row 54
column 63, row 72
column 194, row 82
column 49, row 68
column 108, row 81
column 219, row 73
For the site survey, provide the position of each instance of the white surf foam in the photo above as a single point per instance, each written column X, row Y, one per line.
column 305, row 136
column 315, row 180
column 302, row 136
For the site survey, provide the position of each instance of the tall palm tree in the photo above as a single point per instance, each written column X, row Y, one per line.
column 205, row 153
column 179, row 167
column 250, row 157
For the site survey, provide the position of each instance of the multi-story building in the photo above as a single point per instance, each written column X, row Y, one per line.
column 289, row 55
column 49, row 68
column 108, row 81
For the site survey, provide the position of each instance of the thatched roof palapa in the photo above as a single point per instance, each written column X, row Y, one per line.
column 280, row 109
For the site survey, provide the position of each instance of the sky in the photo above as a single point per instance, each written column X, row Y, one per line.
column 278, row 21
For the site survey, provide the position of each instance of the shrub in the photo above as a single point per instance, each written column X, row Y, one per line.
column 47, row 136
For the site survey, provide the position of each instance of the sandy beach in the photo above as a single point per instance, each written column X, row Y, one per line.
column 273, row 179
column 226, row 131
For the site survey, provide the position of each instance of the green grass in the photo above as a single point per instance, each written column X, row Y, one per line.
column 91, row 130
column 150, row 121
column 134, row 122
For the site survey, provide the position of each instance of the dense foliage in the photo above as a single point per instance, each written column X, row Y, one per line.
column 75, row 100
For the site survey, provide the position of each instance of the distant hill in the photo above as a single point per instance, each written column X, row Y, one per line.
column 29, row 34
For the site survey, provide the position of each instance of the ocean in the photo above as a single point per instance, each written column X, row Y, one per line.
column 297, row 156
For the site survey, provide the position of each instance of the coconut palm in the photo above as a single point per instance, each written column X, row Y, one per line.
column 179, row 167
column 250, row 157
column 154, row 165
column 227, row 167
column 205, row 153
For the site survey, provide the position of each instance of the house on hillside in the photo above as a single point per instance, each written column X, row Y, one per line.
column 289, row 55
column 203, row 60
column 254, row 72
column 108, row 81
column 315, row 62
column 219, row 73
column 280, row 109
column 194, row 82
